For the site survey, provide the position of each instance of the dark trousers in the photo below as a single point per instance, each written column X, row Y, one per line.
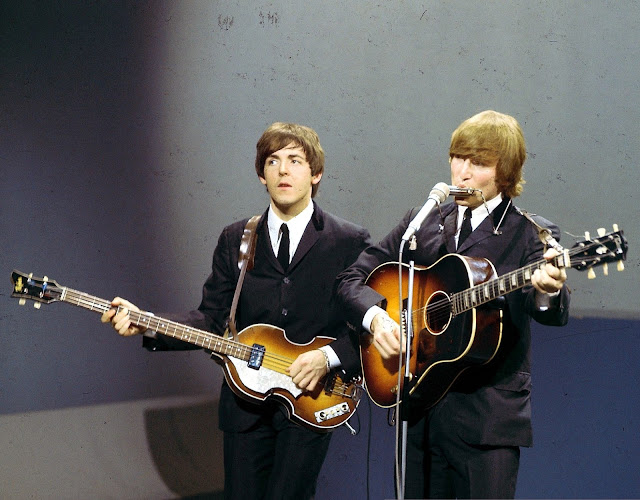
column 274, row 459
column 441, row 465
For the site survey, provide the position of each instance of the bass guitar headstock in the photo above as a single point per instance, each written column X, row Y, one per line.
column 606, row 248
column 27, row 287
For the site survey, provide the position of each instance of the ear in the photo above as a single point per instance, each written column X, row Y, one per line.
column 316, row 178
column 263, row 180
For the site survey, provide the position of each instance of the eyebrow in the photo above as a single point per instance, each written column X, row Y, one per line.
column 296, row 155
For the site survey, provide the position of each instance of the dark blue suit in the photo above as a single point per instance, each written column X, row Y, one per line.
column 489, row 407
column 302, row 302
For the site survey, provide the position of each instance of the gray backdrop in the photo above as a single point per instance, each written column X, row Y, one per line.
column 127, row 140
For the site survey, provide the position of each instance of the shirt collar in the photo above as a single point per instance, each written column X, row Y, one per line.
column 296, row 226
column 480, row 213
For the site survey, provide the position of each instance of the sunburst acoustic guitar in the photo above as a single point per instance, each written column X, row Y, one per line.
column 456, row 321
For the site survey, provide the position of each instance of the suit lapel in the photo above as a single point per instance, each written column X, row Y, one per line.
column 263, row 245
column 485, row 229
column 309, row 239
column 310, row 236
column 450, row 222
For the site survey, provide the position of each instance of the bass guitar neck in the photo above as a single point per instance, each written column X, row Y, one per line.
column 255, row 365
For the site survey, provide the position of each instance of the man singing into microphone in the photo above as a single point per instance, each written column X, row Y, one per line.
column 467, row 445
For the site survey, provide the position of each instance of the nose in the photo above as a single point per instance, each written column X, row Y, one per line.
column 465, row 169
column 284, row 168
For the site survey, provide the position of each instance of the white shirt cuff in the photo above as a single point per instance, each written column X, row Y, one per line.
column 369, row 315
column 545, row 300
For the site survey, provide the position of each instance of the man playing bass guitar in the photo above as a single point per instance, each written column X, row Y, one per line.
column 467, row 443
column 300, row 250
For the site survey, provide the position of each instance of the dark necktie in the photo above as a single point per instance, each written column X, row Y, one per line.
column 465, row 229
column 283, row 249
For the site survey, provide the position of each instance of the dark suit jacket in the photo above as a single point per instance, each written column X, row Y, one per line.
column 492, row 406
column 301, row 301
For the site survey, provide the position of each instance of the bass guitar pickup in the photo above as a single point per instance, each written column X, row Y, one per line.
column 256, row 356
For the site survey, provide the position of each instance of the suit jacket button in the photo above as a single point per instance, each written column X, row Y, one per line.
column 284, row 312
column 286, row 281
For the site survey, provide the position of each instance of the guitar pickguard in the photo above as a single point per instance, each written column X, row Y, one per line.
column 263, row 380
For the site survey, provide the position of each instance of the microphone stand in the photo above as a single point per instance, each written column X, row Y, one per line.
column 438, row 194
column 406, row 327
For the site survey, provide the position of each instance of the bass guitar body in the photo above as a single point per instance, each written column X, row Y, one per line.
column 330, row 404
column 447, row 337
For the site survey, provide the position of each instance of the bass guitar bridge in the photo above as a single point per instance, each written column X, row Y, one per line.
column 332, row 412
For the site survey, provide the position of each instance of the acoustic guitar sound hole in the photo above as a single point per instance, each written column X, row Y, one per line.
column 437, row 313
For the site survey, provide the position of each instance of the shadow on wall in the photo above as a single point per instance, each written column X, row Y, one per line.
column 186, row 447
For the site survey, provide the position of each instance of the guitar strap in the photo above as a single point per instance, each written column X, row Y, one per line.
column 246, row 255
column 544, row 233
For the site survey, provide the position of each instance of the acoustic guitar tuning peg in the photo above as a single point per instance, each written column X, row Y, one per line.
column 22, row 302
column 587, row 236
column 37, row 305
column 601, row 232
column 591, row 274
column 620, row 265
column 605, row 269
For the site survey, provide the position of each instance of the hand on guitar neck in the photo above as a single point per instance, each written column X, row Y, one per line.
column 118, row 316
column 549, row 278
column 386, row 336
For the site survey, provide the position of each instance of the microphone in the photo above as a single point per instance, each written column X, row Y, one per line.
column 437, row 195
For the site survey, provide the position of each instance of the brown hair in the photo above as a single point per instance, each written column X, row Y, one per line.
column 280, row 135
column 491, row 137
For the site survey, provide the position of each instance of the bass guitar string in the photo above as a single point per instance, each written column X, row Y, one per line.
column 275, row 362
